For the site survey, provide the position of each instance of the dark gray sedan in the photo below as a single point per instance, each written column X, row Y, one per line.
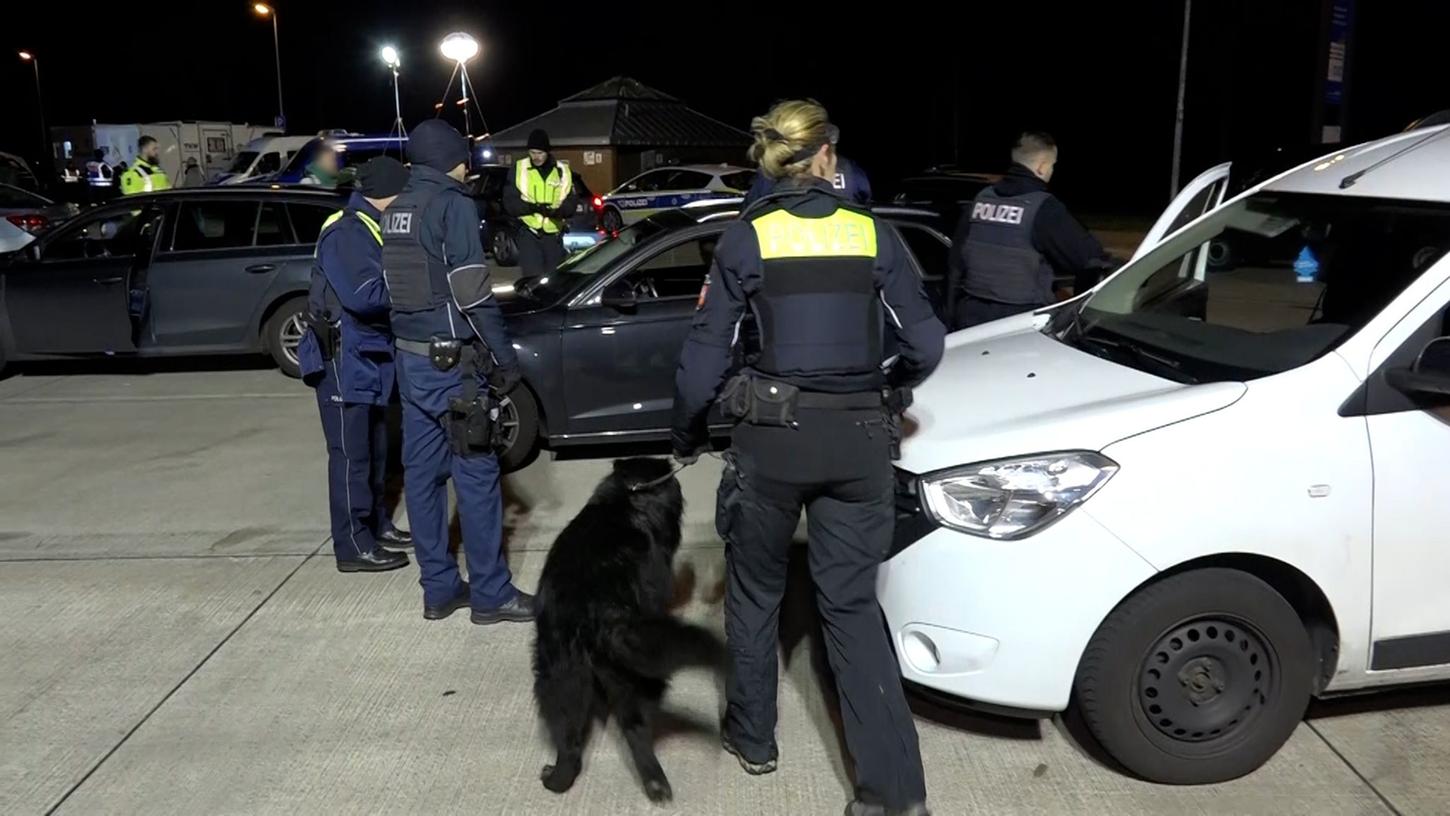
column 192, row 271
column 599, row 339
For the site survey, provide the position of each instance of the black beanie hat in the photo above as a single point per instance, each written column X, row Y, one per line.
column 382, row 177
column 539, row 140
column 434, row 143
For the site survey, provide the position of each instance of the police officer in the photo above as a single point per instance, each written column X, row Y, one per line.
column 542, row 198
column 347, row 356
column 850, row 181
column 1015, row 239
column 452, row 346
column 825, row 280
column 146, row 175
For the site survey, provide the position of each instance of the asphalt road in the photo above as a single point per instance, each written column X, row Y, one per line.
column 176, row 640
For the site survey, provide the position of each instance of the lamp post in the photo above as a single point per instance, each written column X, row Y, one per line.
column 26, row 56
column 392, row 60
column 461, row 48
column 265, row 10
column 1182, row 90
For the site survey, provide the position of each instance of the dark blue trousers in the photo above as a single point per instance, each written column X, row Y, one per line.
column 357, row 461
column 428, row 463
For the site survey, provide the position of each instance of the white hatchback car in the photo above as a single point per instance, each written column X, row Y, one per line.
column 1202, row 493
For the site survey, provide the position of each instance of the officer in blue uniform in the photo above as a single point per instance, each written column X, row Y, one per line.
column 454, row 362
column 347, row 356
column 818, row 414
column 849, row 180
column 1015, row 240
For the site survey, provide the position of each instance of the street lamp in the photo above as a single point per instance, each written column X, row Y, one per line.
column 26, row 56
column 264, row 10
column 461, row 48
column 392, row 60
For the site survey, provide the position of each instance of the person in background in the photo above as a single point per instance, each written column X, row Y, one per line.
column 849, row 180
column 323, row 170
column 146, row 175
column 1015, row 239
column 542, row 198
column 347, row 356
column 826, row 280
column 192, row 176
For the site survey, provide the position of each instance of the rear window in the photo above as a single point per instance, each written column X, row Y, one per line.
column 739, row 181
column 688, row 180
column 210, row 225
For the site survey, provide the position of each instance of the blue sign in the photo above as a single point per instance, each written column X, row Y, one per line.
column 1341, row 19
column 280, row 121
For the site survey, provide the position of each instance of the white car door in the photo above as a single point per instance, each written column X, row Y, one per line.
column 1201, row 195
column 1410, row 440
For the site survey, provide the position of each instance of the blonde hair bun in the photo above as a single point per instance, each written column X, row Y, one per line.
column 783, row 132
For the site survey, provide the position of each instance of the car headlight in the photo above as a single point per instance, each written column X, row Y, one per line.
column 1013, row 498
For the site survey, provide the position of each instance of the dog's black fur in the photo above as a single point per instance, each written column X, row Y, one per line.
column 605, row 638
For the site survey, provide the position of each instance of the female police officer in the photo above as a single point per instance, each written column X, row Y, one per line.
column 823, row 280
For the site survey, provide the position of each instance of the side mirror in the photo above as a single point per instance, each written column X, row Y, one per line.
column 620, row 297
column 1429, row 377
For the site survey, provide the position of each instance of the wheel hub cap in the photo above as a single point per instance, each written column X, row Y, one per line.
column 1205, row 679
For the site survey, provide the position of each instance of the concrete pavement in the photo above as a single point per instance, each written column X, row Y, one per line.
column 177, row 641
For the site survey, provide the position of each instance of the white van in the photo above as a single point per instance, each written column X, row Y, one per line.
column 1202, row 493
column 262, row 157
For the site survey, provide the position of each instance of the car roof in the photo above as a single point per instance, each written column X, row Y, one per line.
column 718, row 169
column 1413, row 166
column 298, row 192
column 721, row 209
column 953, row 175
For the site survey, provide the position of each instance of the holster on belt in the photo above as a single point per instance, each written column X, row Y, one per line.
column 328, row 334
column 895, row 402
column 473, row 417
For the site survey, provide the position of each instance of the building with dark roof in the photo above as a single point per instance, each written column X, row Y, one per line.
column 622, row 127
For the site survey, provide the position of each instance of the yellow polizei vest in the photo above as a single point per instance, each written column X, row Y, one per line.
column 144, row 177
column 538, row 190
column 364, row 217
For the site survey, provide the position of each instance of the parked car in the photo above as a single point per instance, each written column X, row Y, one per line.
column 498, row 229
column 600, row 337
column 208, row 270
column 26, row 215
column 262, row 157
column 353, row 151
column 943, row 191
column 1190, row 500
column 665, row 188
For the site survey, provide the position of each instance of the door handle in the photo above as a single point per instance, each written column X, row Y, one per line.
column 107, row 281
column 260, row 268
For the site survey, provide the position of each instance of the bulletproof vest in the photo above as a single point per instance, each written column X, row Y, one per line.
column 1002, row 265
column 417, row 281
column 817, row 311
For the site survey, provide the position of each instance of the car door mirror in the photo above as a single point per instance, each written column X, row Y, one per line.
column 619, row 296
column 1429, row 377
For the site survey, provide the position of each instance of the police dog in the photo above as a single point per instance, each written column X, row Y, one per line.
column 605, row 640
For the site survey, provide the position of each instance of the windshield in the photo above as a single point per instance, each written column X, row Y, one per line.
column 578, row 269
column 302, row 158
column 243, row 162
column 1260, row 286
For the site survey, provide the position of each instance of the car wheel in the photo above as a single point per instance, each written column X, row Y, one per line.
column 1198, row 678
column 1220, row 255
column 612, row 221
column 505, row 248
column 519, row 418
column 283, row 333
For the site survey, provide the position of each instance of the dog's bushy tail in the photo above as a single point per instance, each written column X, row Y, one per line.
column 658, row 646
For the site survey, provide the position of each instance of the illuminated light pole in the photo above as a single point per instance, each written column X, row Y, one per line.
column 393, row 61
column 265, row 10
column 460, row 48
column 26, row 56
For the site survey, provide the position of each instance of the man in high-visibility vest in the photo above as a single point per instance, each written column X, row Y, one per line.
column 347, row 355
column 542, row 198
column 146, row 175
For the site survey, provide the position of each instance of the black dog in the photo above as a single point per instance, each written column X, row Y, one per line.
column 605, row 638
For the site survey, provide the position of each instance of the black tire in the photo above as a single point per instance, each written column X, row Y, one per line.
column 281, row 334
column 1220, row 255
column 1198, row 678
column 520, row 416
column 505, row 248
column 611, row 221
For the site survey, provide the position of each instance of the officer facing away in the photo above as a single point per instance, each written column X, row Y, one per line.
column 825, row 280
column 542, row 198
column 347, row 356
column 146, row 176
column 1014, row 239
column 452, row 346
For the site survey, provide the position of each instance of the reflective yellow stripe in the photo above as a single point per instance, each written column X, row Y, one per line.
column 535, row 189
column 840, row 235
column 372, row 226
column 364, row 217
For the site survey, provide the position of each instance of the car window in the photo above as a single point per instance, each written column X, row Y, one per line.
column 270, row 163
column 648, row 183
column 739, row 181
column 1196, row 206
column 677, row 272
column 307, row 220
column 14, row 197
column 243, row 161
column 107, row 235
column 209, row 225
column 688, row 180
column 930, row 251
column 273, row 228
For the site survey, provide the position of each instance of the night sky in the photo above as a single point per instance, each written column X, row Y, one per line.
column 910, row 85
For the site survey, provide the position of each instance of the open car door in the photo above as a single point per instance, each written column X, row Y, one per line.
column 1200, row 196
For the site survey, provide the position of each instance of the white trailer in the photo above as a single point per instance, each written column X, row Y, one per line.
column 212, row 144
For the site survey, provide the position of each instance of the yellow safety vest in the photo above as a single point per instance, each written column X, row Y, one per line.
column 538, row 190
column 143, row 177
column 366, row 219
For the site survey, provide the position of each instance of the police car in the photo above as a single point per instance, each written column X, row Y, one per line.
column 1190, row 500
column 666, row 188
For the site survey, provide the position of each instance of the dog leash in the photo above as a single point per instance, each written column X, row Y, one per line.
column 674, row 471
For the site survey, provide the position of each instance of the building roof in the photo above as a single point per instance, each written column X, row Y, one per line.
column 623, row 112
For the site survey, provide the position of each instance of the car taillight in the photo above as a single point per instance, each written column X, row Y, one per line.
column 598, row 203
column 29, row 223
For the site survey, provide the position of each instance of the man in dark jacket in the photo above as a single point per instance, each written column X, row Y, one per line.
column 347, row 355
column 1014, row 240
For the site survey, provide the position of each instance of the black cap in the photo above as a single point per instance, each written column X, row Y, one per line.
column 434, row 143
column 539, row 140
column 382, row 177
